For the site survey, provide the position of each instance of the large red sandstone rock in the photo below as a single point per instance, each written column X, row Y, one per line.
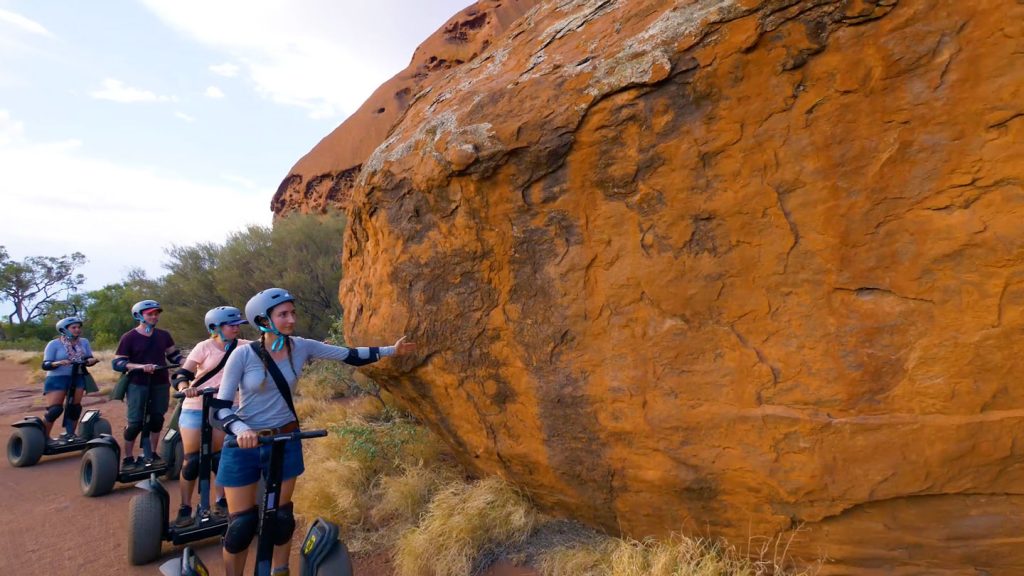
column 324, row 177
column 734, row 266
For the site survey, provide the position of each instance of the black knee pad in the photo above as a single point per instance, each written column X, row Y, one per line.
column 215, row 462
column 53, row 412
column 241, row 530
column 190, row 469
column 285, row 524
column 132, row 431
column 74, row 413
column 156, row 423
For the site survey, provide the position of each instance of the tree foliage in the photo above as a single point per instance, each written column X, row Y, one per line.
column 301, row 253
column 108, row 312
column 37, row 283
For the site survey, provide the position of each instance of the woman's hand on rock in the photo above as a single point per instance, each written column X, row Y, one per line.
column 402, row 347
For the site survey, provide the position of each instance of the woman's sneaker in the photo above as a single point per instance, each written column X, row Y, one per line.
column 153, row 460
column 184, row 517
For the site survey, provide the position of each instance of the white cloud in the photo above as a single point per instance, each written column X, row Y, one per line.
column 118, row 215
column 185, row 117
column 214, row 92
column 117, row 91
column 321, row 55
column 227, row 69
column 236, row 179
column 23, row 23
column 10, row 129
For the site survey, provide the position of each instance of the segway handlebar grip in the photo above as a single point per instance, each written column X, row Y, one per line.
column 268, row 440
column 202, row 392
column 160, row 367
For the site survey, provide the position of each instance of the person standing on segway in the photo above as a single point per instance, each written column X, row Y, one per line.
column 263, row 375
column 143, row 351
column 64, row 359
column 224, row 324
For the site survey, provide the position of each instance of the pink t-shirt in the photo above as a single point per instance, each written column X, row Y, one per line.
column 207, row 355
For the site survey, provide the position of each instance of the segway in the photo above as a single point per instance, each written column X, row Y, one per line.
column 29, row 443
column 323, row 554
column 149, row 512
column 101, row 462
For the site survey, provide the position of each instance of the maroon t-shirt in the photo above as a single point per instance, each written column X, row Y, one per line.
column 135, row 345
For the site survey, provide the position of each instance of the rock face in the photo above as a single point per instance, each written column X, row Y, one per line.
column 324, row 178
column 740, row 267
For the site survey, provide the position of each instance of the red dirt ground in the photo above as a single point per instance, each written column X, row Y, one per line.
column 48, row 527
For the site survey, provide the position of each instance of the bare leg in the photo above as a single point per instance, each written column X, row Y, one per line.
column 189, row 444
column 218, row 444
column 77, row 399
column 281, row 552
column 239, row 499
column 52, row 399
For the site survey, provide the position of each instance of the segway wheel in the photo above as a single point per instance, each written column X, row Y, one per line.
column 173, row 454
column 144, row 528
column 98, row 471
column 25, row 446
column 102, row 426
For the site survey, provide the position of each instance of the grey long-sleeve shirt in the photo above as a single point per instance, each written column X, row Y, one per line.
column 260, row 404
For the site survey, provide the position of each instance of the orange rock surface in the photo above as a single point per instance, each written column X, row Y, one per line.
column 740, row 267
column 324, row 177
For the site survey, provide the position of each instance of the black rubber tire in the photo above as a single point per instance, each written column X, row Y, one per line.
column 173, row 453
column 144, row 529
column 98, row 471
column 25, row 446
column 102, row 426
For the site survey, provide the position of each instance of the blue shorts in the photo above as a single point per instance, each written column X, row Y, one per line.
column 60, row 383
column 191, row 419
column 242, row 467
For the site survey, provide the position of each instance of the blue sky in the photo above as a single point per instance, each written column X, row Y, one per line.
column 128, row 126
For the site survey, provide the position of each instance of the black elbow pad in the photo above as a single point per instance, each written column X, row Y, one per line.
column 355, row 360
column 181, row 375
column 119, row 364
column 174, row 356
column 216, row 404
column 48, row 365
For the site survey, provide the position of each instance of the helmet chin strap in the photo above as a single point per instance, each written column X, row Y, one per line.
column 149, row 327
column 279, row 341
column 227, row 343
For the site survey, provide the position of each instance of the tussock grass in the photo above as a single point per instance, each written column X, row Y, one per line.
column 374, row 473
column 103, row 374
column 676, row 556
column 402, row 498
column 462, row 521
column 21, row 356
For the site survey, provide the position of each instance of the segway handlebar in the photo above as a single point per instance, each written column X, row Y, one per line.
column 159, row 367
column 268, row 440
column 202, row 392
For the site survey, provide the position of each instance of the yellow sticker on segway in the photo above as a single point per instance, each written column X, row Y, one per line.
column 310, row 542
